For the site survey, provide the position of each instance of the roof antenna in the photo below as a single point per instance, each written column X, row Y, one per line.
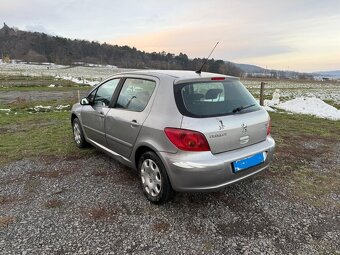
column 200, row 70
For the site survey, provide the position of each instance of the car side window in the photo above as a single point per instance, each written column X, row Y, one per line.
column 105, row 92
column 135, row 94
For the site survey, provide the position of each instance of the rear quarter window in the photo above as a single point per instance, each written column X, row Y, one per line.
column 210, row 99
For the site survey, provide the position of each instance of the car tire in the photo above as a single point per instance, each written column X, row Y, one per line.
column 78, row 134
column 154, row 179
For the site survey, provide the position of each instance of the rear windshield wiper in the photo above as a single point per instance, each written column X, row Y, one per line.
column 241, row 108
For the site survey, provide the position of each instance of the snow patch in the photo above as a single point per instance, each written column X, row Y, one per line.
column 62, row 107
column 268, row 108
column 5, row 110
column 79, row 81
column 40, row 108
column 48, row 108
column 312, row 106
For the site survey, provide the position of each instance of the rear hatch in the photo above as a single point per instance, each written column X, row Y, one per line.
column 224, row 111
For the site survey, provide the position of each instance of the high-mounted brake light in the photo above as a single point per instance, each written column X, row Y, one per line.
column 187, row 140
column 269, row 126
column 217, row 78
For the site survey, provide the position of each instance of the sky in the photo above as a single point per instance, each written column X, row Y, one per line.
column 299, row 35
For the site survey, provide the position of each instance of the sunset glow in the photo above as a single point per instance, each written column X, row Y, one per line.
column 291, row 35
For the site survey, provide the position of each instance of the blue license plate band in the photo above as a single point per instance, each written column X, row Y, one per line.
column 246, row 163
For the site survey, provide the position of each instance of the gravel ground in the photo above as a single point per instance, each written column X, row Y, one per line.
column 95, row 206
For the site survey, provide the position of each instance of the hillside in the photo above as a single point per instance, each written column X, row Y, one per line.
column 329, row 74
column 40, row 47
column 250, row 68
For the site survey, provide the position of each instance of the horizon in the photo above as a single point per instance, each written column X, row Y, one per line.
column 286, row 36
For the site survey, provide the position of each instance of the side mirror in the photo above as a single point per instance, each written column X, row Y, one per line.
column 84, row 101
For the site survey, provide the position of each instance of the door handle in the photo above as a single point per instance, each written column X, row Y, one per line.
column 101, row 115
column 134, row 123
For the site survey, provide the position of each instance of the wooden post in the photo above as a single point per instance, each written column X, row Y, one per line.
column 261, row 93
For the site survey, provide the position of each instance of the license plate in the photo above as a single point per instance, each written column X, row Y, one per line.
column 246, row 163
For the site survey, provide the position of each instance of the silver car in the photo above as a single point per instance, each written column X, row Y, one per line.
column 182, row 131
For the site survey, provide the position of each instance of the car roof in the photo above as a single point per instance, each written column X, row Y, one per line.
column 181, row 75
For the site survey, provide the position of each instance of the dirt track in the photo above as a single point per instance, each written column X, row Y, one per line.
column 12, row 96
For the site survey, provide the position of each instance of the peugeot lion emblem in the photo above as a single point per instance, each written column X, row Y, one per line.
column 244, row 128
column 221, row 125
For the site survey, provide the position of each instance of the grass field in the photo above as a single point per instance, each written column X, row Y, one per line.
column 24, row 133
column 326, row 90
column 306, row 157
column 34, row 135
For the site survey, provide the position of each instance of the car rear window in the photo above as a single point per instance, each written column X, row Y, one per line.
column 210, row 99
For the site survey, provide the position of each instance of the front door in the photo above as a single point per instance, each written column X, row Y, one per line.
column 93, row 115
column 124, row 121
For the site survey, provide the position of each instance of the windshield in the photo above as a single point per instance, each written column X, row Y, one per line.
column 210, row 99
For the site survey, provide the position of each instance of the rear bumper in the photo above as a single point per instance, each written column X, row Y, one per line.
column 204, row 171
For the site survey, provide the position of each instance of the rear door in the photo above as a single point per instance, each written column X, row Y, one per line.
column 124, row 121
column 93, row 115
column 225, row 112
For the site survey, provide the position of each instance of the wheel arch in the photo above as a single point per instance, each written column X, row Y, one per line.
column 169, row 192
column 73, row 116
column 142, row 148
column 140, row 151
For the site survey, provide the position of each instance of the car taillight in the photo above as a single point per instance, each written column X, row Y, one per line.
column 187, row 140
column 269, row 125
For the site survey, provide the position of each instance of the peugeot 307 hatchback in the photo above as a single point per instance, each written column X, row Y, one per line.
column 182, row 131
